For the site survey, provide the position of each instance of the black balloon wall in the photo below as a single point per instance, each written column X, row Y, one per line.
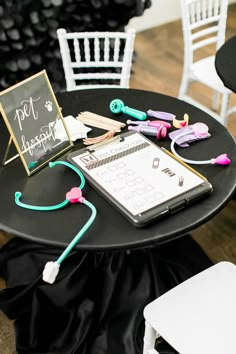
column 28, row 39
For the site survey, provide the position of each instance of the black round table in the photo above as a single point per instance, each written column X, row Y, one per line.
column 225, row 63
column 49, row 186
column 96, row 304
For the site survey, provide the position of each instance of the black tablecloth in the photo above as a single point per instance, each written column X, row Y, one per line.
column 225, row 63
column 96, row 304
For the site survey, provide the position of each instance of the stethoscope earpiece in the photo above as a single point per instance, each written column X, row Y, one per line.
column 18, row 195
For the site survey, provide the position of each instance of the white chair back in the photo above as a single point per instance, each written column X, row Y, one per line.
column 96, row 59
column 204, row 25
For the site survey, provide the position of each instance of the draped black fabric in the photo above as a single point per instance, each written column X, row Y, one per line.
column 225, row 63
column 96, row 304
column 28, row 34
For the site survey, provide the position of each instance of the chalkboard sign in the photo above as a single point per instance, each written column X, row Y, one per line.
column 31, row 113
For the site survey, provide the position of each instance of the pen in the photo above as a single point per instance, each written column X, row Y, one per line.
column 150, row 123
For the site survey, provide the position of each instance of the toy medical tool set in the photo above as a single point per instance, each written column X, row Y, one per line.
column 184, row 135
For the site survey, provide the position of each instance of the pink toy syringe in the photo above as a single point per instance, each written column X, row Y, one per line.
column 159, row 133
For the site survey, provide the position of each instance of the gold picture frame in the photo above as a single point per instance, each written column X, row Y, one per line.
column 32, row 114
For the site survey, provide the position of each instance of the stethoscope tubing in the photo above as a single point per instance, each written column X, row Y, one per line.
column 80, row 233
column 195, row 162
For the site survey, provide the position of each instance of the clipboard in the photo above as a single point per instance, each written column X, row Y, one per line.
column 141, row 180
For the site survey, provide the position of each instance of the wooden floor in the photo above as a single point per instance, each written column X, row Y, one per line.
column 158, row 67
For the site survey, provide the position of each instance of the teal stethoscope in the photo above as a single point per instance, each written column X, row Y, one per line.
column 73, row 196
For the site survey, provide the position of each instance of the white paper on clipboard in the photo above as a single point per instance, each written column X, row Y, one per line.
column 142, row 180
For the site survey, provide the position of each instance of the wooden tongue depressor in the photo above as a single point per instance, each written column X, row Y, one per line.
column 98, row 121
